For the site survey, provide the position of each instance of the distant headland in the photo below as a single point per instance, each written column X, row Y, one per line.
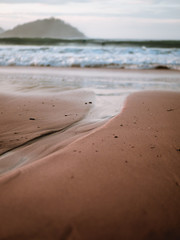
column 46, row 28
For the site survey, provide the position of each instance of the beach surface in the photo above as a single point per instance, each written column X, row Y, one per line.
column 120, row 180
column 34, row 126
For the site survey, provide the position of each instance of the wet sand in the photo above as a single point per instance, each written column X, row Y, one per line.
column 119, row 181
column 33, row 126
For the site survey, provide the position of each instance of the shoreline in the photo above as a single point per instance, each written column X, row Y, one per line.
column 154, row 70
column 121, row 181
column 57, row 79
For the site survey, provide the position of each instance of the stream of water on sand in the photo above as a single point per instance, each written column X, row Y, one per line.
column 110, row 87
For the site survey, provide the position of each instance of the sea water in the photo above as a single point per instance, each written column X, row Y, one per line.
column 108, row 87
column 90, row 53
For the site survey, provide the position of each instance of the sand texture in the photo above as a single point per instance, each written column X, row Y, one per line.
column 34, row 126
column 121, row 181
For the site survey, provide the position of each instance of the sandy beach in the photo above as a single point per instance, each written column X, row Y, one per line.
column 117, row 181
column 89, row 120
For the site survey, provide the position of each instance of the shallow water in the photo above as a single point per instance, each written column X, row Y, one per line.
column 110, row 87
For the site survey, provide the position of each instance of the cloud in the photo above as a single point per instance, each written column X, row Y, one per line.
column 114, row 3
column 118, row 2
column 43, row 1
column 102, row 18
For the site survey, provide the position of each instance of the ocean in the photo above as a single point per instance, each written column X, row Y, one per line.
column 99, row 53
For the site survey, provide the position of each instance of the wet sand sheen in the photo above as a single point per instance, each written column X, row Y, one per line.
column 121, row 181
column 34, row 126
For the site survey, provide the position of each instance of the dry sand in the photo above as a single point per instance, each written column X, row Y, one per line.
column 121, row 181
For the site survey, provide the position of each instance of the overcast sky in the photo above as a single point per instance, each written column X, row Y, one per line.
column 125, row 19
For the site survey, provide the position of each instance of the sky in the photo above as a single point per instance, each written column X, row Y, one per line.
column 120, row 19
